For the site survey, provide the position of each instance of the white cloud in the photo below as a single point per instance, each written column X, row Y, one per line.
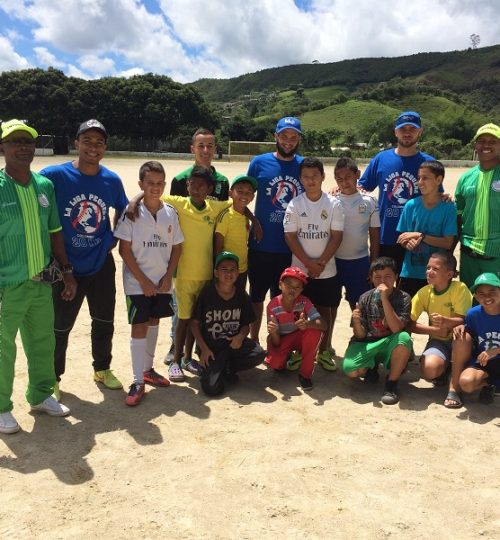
column 46, row 58
column 191, row 39
column 131, row 72
column 97, row 65
column 74, row 71
column 9, row 59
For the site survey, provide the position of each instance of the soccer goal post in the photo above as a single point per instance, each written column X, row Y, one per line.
column 250, row 148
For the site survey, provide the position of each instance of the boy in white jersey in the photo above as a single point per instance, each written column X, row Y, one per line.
column 362, row 222
column 150, row 248
column 313, row 224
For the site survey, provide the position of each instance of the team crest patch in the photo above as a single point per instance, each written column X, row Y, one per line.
column 42, row 199
column 495, row 186
column 400, row 190
column 324, row 214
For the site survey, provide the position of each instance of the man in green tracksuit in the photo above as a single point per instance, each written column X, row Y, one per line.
column 29, row 232
column 478, row 207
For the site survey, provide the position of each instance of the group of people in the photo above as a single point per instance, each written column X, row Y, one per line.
column 189, row 255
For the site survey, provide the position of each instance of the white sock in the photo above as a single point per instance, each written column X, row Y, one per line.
column 151, row 339
column 138, row 353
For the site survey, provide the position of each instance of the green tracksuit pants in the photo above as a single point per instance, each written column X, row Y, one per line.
column 28, row 308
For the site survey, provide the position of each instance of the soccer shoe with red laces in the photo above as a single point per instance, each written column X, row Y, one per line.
column 153, row 378
column 135, row 394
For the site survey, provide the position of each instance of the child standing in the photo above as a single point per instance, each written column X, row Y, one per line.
column 233, row 226
column 313, row 224
column 446, row 302
column 293, row 324
column 378, row 321
column 150, row 248
column 220, row 324
column 480, row 342
column 426, row 223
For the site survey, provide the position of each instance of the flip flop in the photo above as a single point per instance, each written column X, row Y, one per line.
column 455, row 398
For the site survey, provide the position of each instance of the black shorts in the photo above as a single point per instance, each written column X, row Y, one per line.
column 264, row 271
column 141, row 308
column 492, row 368
column 323, row 292
column 411, row 285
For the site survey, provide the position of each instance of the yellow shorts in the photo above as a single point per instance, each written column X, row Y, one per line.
column 186, row 293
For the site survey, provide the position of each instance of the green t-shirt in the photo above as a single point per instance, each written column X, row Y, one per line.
column 28, row 214
column 478, row 204
column 219, row 193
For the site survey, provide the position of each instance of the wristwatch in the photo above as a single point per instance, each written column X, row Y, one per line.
column 67, row 268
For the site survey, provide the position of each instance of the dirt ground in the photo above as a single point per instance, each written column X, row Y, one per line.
column 265, row 461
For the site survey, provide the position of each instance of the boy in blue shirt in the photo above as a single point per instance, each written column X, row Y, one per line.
column 427, row 224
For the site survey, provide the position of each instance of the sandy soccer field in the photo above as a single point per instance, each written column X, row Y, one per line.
column 265, row 461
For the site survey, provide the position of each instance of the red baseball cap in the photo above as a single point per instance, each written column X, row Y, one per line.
column 295, row 272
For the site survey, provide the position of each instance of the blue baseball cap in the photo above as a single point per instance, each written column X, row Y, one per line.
column 288, row 122
column 411, row 118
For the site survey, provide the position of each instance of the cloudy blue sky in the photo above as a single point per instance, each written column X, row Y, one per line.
column 190, row 39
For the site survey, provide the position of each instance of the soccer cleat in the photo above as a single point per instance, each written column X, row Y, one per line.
column 107, row 378
column 305, row 383
column 326, row 361
column 293, row 361
column 135, row 394
column 170, row 355
column 8, row 424
column 52, row 407
column 57, row 391
column 153, row 378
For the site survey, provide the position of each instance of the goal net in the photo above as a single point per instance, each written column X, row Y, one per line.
column 250, row 148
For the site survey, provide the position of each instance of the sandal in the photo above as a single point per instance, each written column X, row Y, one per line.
column 454, row 400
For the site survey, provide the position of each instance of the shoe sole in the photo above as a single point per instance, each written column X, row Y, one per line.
column 157, row 384
column 51, row 413
column 11, row 430
column 105, row 385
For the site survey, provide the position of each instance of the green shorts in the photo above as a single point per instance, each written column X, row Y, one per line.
column 368, row 354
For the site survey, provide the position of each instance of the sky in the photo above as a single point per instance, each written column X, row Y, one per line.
column 192, row 39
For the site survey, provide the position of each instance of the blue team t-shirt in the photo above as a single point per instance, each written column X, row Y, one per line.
column 83, row 203
column 278, row 183
column 438, row 221
column 485, row 330
column 396, row 177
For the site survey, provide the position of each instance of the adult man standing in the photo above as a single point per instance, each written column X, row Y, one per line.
column 29, row 231
column 478, row 208
column 203, row 146
column 395, row 173
column 85, row 192
column 278, row 178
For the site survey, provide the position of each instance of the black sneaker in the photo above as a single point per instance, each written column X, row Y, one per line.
column 306, row 384
column 487, row 394
column 372, row 375
column 390, row 395
column 170, row 355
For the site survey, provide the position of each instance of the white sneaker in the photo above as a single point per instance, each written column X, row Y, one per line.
column 52, row 407
column 8, row 424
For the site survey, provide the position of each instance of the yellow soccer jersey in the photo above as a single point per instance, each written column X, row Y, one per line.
column 455, row 300
column 196, row 262
column 235, row 227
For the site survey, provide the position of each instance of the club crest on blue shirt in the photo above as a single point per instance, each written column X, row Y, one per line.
column 400, row 189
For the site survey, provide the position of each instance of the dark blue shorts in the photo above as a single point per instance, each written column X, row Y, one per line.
column 141, row 308
column 264, row 271
column 322, row 292
column 352, row 274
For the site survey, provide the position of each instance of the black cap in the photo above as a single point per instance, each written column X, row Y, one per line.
column 91, row 124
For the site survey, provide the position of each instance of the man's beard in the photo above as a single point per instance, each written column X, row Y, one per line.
column 283, row 153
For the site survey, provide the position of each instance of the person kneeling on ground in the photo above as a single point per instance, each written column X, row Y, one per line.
column 378, row 323
column 478, row 341
column 220, row 325
column 294, row 324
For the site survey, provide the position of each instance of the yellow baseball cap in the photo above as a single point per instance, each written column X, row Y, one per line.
column 17, row 125
column 488, row 129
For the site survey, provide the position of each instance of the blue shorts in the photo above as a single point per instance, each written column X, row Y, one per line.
column 142, row 308
column 438, row 347
column 352, row 274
